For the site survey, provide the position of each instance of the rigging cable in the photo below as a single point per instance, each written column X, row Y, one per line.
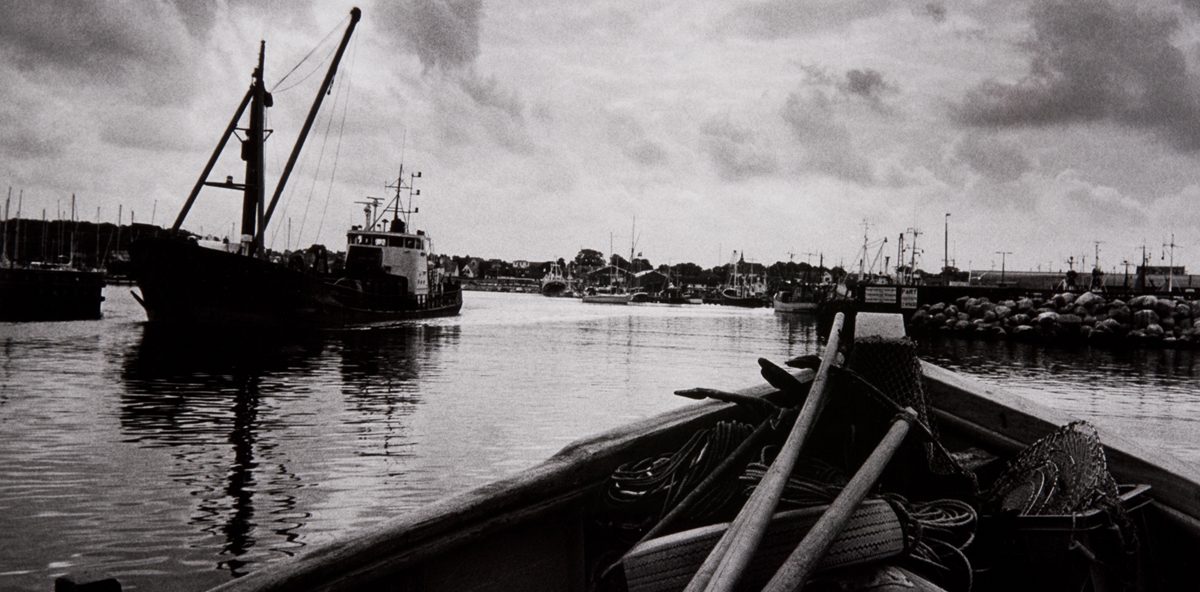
column 341, row 130
column 320, row 159
column 275, row 88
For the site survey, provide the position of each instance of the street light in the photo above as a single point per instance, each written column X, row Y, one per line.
column 1003, row 255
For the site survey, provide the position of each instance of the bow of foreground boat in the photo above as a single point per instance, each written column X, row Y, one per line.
column 598, row 515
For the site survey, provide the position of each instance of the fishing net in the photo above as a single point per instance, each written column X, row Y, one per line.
column 892, row 368
column 1064, row 472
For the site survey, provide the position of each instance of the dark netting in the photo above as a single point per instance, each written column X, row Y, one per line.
column 1064, row 472
column 892, row 367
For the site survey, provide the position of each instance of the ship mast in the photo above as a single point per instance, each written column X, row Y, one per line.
column 256, row 212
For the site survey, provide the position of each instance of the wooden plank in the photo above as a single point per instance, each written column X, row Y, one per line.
column 1007, row 416
column 878, row 325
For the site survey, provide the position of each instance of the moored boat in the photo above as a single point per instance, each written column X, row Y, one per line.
column 49, row 293
column 574, row 522
column 387, row 273
column 801, row 298
column 554, row 283
column 607, row 295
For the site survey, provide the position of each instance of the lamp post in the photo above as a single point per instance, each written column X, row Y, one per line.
column 946, row 244
column 1003, row 255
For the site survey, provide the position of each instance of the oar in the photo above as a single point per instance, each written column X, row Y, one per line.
column 724, row 566
column 800, row 564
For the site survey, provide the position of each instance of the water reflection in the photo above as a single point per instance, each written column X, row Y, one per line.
column 196, row 393
column 380, row 368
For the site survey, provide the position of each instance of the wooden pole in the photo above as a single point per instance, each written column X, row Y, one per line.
column 803, row 560
column 724, row 566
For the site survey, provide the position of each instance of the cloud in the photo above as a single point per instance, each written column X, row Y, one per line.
column 735, row 151
column 995, row 159
column 141, row 51
column 813, row 120
column 785, row 18
column 443, row 33
column 628, row 135
column 935, row 11
column 1093, row 61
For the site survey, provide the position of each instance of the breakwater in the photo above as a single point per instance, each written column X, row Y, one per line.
column 1089, row 317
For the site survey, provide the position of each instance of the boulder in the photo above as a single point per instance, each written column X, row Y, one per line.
column 1025, row 305
column 1089, row 300
column 951, row 311
column 1164, row 307
column 937, row 307
column 1024, row 332
column 1047, row 319
column 989, row 316
column 1002, row 311
column 1183, row 310
column 961, row 301
column 1110, row 326
column 1144, row 301
column 1122, row 313
column 1154, row 330
column 962, row 325
column 1144, row 318
column 919, row 318
column 1020, row 319
column 1070, row 323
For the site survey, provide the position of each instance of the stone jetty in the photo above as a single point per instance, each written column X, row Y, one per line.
column 1068, row 317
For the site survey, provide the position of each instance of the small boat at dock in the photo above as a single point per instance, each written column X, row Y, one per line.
column 882, row 469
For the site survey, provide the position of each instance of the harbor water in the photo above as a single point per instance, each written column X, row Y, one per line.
column 180, row 461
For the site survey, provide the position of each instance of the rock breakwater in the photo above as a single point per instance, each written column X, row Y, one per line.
column 1068, row 317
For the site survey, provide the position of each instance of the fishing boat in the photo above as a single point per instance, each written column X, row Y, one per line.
column 387, row 274
column 885, row 470
column 801, row 298
column 607, row 295
column 554, row 283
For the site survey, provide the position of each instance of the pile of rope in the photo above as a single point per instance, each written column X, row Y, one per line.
column 647, row 489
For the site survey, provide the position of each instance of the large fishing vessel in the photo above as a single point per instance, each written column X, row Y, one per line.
column 387, row 273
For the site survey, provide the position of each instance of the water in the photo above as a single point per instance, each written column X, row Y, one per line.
column 180, row 463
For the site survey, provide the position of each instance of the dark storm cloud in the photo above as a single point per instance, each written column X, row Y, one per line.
column 734, row 151
column 785, row 18
column 1093, row 61
column 443, row 33
column 139, row 51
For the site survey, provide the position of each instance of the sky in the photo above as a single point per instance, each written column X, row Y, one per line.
column 684, row 129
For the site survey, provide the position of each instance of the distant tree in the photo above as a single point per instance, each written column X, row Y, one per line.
column 589, row 259
column 618, row 261
column 640, row 264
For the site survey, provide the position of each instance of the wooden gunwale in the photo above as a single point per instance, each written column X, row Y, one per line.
column 400, row 543
column 988, row 416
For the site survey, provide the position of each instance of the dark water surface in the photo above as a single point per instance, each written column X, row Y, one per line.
column 179, row 463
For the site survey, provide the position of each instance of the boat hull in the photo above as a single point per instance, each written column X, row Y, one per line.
column 794, row 307
column 527, row 532
column 554, row 288
column 32, row 294
column 184, row 283
column 608, row 298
